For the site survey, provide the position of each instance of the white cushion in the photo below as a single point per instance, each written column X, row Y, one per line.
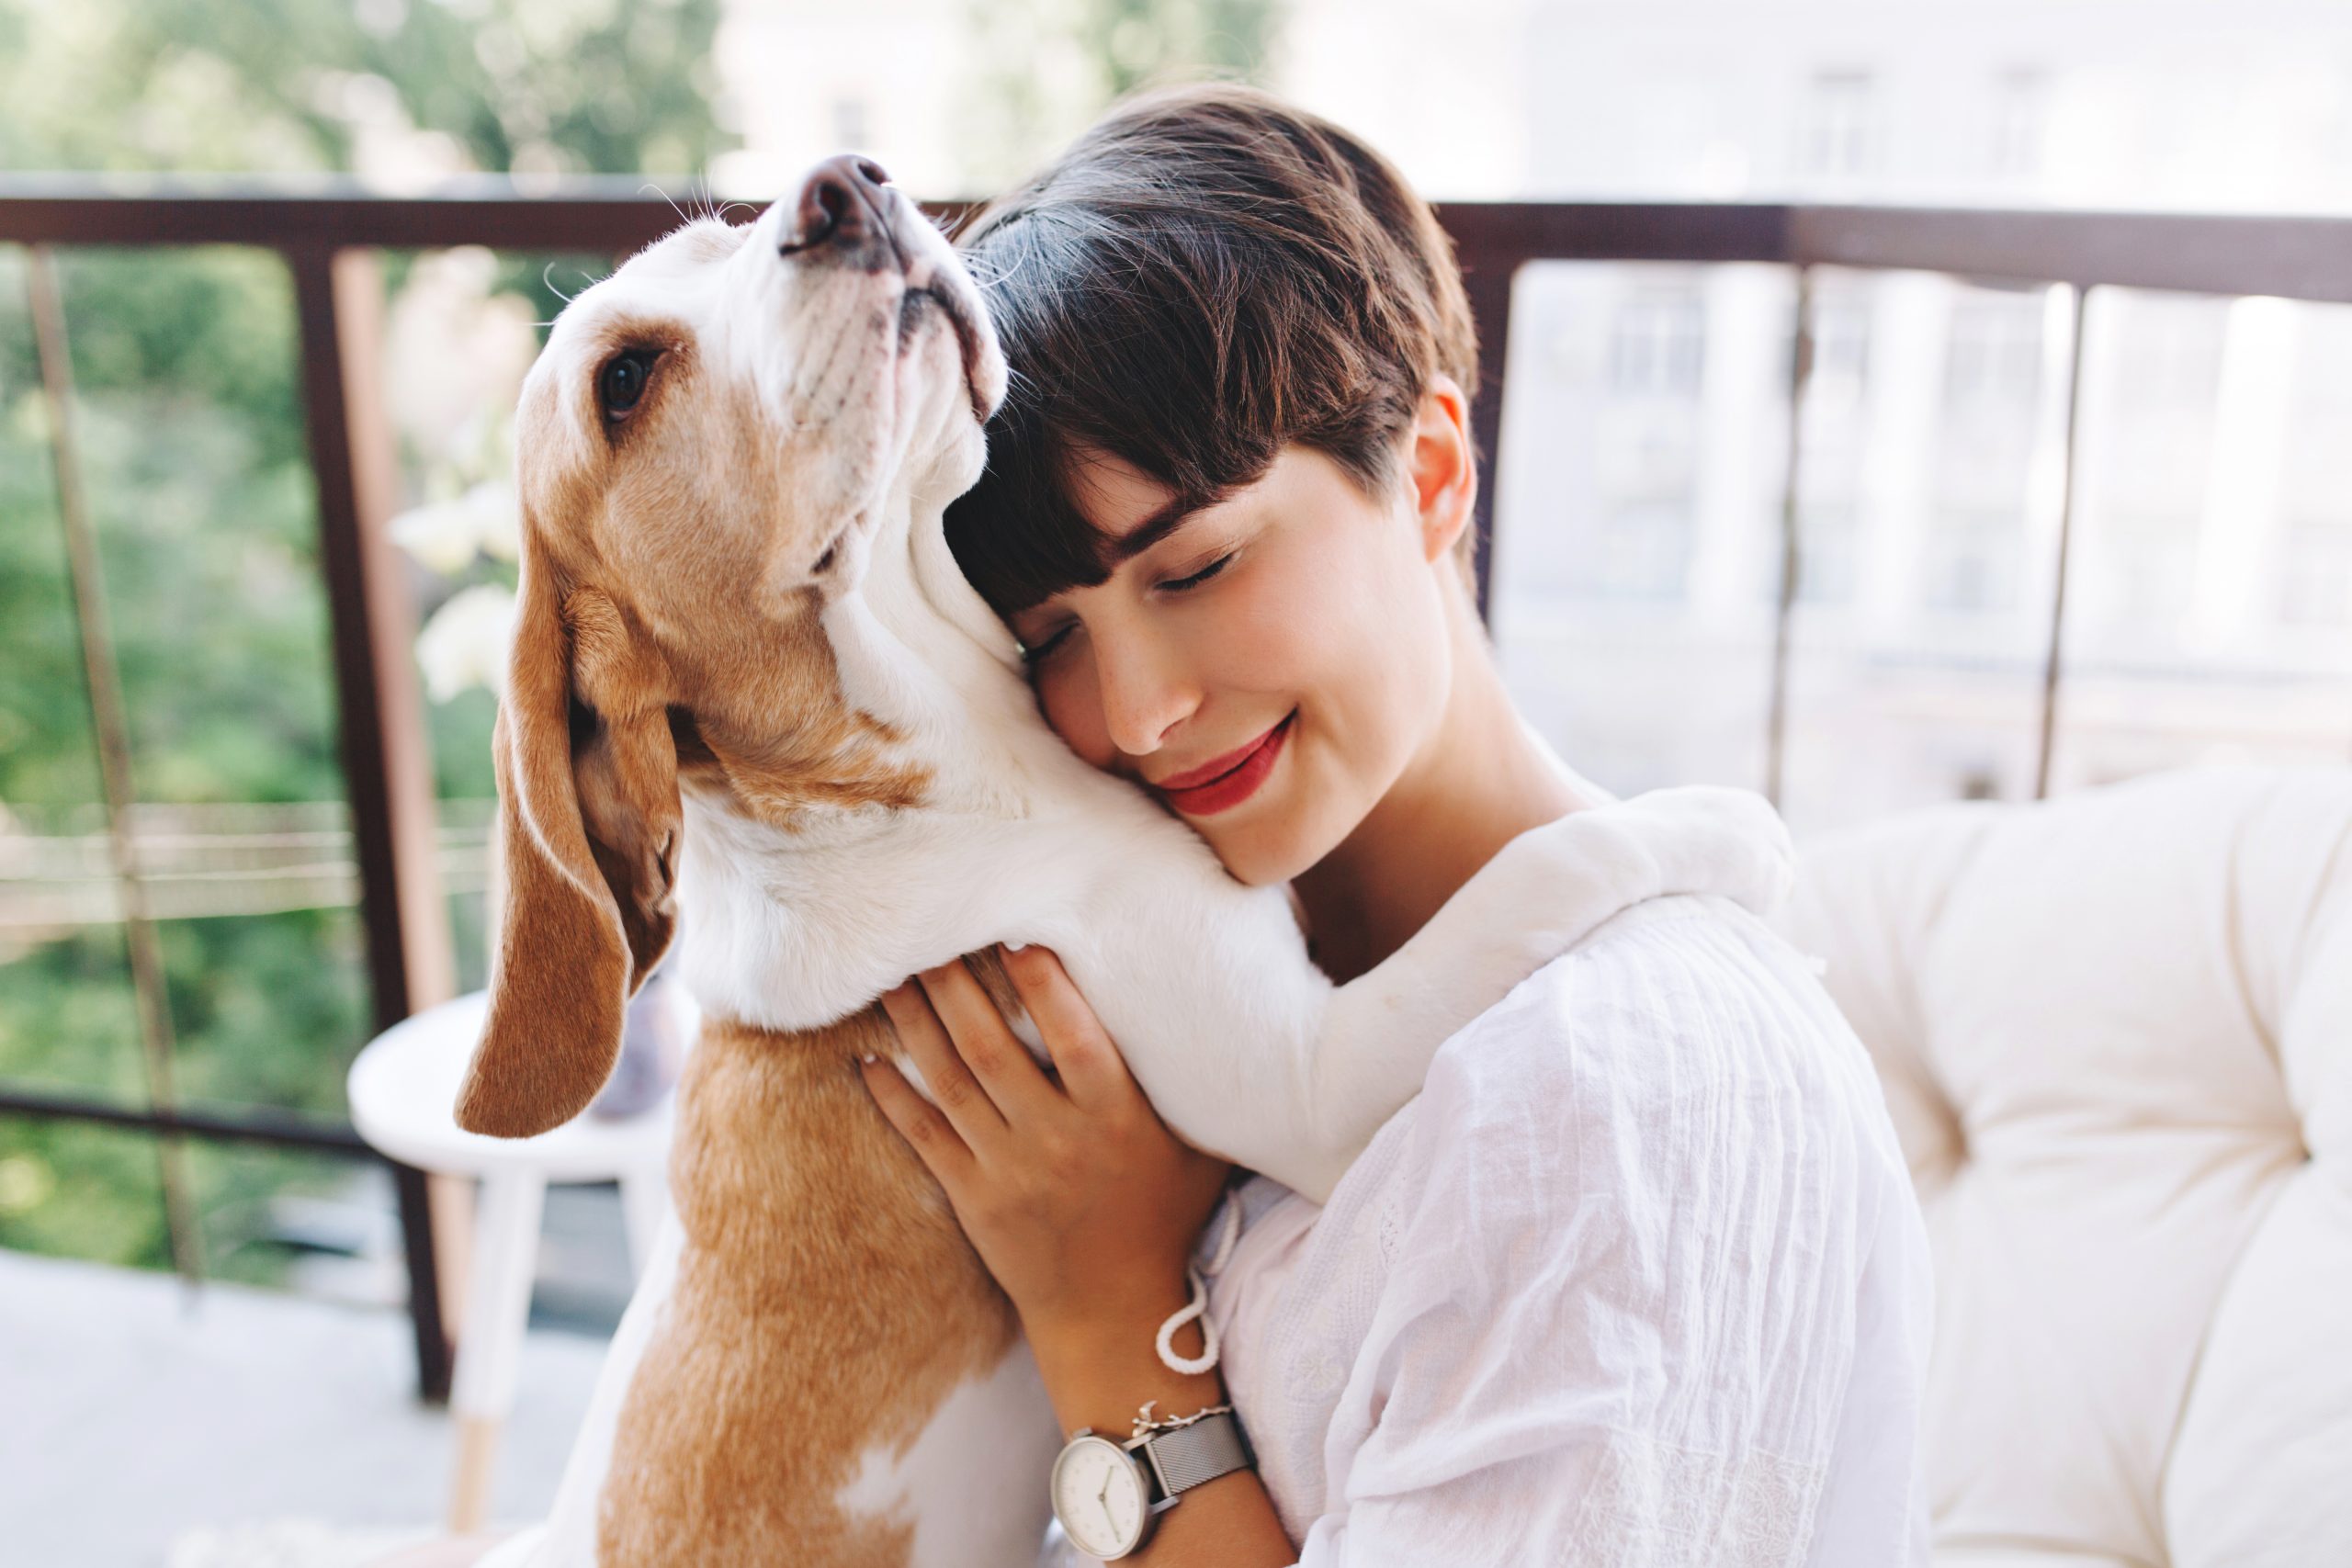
column 2115, row 1031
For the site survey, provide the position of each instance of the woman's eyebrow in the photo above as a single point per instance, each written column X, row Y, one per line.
column 1157, row 526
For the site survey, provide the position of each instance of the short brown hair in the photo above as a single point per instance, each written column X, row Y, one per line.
column 1207, row 276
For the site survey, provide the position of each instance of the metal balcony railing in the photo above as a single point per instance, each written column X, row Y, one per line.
column 327, row 234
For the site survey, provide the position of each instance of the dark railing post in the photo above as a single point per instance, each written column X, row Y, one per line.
column 1776, row 727
column 2052, row 670
column 386, row 764
column 1487, row 282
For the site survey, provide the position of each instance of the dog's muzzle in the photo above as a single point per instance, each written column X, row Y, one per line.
column 842, row 215
column 849, row 215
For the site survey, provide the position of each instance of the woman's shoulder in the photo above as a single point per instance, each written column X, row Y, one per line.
column 1682, row 1018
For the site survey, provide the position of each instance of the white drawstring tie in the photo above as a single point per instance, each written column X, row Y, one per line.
column 1199, row 1306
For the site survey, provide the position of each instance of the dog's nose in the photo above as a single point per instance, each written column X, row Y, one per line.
column 841, row 204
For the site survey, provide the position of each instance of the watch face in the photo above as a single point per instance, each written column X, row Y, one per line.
column 1099, row 1497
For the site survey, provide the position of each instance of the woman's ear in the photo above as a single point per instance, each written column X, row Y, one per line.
column 1442, row 464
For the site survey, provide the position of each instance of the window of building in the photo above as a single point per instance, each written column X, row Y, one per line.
column 853, row 122
column 1841, row 350
column 2315, row 574
column 2142, row 569
column 2020, row 100
column 2168, row 352
column 1637, row 553
column 1970, row 562
column 1657, row 346
column 1840, row 133
column 1828, row 539
column 1994, row 358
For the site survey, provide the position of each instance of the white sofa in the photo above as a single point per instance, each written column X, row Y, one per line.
column 2115, row 1031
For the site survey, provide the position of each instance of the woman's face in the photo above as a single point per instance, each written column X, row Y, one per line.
column 1269, row 666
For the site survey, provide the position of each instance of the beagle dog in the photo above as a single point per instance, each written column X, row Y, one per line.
column 753, row 699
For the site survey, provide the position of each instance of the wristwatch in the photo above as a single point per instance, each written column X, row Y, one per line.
column 1108, row 1495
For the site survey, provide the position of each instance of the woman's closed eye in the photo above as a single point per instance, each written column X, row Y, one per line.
column 1034, row 652
column 1050, row 643
column 1181, row 584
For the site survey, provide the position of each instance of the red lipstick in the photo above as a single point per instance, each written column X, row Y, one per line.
column 1226, row 781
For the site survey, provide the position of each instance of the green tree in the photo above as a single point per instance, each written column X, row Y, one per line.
column 1048, row 68
column 593, row 86
column 192, row 456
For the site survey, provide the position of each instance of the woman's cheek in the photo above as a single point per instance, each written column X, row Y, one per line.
column 1271, row 629
column 1067, row 696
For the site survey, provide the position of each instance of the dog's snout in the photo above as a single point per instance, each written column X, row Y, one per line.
column 841, row 204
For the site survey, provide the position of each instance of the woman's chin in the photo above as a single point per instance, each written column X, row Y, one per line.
column 1262, row 853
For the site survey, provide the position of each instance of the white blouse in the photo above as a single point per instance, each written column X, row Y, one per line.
column 1638, row 1279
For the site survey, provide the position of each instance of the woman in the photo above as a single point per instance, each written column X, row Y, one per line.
column 1639, row 1278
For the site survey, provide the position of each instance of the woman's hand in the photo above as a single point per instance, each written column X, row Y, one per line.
column 1084, row 1206
column 1077, row 1197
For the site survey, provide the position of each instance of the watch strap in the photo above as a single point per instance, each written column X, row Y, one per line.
column 1196, row 1453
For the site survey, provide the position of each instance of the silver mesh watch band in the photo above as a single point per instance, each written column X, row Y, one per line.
column 1184, row 1457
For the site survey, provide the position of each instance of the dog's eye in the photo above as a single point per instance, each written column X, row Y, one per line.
column 622, row 382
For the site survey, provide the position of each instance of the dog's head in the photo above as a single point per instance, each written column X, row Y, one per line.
column 703, row 451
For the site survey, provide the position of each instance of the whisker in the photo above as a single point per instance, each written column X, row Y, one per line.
column 665, row 196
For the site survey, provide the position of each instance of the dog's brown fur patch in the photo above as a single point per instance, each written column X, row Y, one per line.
column 827, row 1303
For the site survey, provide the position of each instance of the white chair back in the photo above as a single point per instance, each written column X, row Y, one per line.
column 2115, row 1031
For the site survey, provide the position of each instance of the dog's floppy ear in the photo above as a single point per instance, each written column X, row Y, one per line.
column 588, row 836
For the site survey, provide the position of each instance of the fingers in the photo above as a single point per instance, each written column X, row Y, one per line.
column 953, row 1089
column 1092, row 1071
column 997, row 1058
column 921, row 1122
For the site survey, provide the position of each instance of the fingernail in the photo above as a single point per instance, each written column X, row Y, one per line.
column 868, row 1059
column 1016, row 946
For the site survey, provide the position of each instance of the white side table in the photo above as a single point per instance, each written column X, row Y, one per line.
column 403, row 1094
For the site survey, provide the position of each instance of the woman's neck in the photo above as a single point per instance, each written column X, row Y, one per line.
column 1478, row 782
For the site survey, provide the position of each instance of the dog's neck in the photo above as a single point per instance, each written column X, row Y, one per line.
column 798, row 905
column 917, row 648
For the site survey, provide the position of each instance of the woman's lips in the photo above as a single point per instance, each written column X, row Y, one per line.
column 1229, row 780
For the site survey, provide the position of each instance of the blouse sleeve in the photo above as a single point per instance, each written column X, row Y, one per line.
column 1625, row 1240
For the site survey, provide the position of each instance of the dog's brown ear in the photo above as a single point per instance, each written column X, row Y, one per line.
column 588, row 834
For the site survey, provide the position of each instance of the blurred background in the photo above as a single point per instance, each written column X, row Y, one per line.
column 197, row 936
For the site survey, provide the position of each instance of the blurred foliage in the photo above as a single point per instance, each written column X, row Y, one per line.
column 1142, row 42
column 1048, row 68
column 109, row 1204
column 609, row 86
column 193, row 457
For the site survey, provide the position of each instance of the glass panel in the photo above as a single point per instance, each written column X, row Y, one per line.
column 194, row 459
column 320, row 1224
column 67, row 1019
column 268, row 1008
column 1636, row 538
column 79, row 1189
column 2210, row 597
column 1932, row 428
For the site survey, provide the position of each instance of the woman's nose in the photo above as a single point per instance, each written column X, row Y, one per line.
column 1144, row 693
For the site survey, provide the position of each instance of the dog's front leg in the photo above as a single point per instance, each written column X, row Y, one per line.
column 1541, row 896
